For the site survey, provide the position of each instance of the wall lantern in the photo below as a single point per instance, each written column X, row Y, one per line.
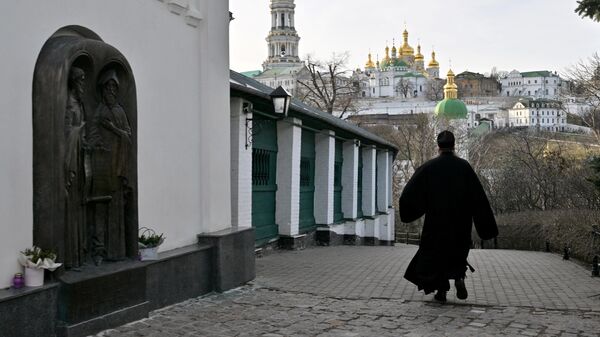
column 281, row 104
column 281, row 101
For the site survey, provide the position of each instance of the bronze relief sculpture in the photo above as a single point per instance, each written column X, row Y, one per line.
column 75, row 231
column 110, row 135
column 85, row 150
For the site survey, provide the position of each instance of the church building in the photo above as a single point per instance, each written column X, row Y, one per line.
column 400, row 74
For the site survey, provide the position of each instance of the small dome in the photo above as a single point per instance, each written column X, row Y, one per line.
column 451, row 108
column 386, row 59
column 419, row 57
column 406, row 49
column 369, row 63
column 433, row 63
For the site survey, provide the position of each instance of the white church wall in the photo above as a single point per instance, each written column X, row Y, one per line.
column 182, row 79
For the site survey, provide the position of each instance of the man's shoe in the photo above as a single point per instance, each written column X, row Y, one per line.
column 461, row 290
column 440, row 296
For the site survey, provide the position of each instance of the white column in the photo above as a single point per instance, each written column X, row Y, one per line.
column 241, row 166
column 350, row 179
column 368, row 181
column 324, row 174
column 382, row 180
column 391, row 179
column 287, row 209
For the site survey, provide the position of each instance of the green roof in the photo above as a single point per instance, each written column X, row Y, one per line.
column 541, row 73
column 451, row 108
column 400, row 63
column 394, row 63
column 251, row 73
column 481, row 129
column 279, row 71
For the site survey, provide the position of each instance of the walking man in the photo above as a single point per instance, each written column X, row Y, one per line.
column 447, row 191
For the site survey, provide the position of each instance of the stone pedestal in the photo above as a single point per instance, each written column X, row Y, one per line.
column 81, row 303
column 28, row 311
column 233, row 256
column 98, row 298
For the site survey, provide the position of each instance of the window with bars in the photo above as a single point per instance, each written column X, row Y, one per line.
column 262, row 167
column 305, row 176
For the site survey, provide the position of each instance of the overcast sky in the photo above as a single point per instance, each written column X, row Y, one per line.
column 475, row 34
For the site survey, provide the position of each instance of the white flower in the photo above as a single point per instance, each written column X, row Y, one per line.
column 47, row 263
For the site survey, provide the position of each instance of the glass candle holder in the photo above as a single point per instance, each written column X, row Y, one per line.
column 18, row 281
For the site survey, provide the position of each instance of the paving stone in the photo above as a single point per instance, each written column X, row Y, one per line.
column 340, row 293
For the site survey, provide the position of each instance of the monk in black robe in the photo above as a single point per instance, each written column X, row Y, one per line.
column 447, row 191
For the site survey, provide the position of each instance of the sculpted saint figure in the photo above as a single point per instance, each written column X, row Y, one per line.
column 75, row 233
column 111, row 134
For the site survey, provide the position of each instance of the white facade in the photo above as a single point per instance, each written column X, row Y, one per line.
column 544, row 115
column 178, row 53
column 534, row 84
column 395, row 83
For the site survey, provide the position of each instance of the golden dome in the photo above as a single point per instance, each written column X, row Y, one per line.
column 387, row 54
column 419, row 56
column 406, row 49
column 370, row 63
column 433, row 63
column 450, row 88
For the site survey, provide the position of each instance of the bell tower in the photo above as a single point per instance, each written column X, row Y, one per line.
column 282, row 39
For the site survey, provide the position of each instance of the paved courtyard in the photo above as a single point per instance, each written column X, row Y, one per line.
column 502, row 277
column 359, row 291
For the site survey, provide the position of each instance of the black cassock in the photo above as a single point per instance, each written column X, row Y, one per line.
column 448, row 192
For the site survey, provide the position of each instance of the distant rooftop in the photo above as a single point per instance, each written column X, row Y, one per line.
column 540, row 73
column 469, row 74
column 278, row 71
column 251, row 73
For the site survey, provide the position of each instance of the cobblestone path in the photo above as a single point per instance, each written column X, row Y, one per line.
column 359, row 291
column 502, row 277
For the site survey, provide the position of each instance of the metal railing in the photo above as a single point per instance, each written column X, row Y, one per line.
column 408, row 237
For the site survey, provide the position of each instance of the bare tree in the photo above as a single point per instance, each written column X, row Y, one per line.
column 494, row 73
column 405, row 87
column 585, row 86
column 435, row 89
column 529, row 171
column 415, row 139
column 328, row 85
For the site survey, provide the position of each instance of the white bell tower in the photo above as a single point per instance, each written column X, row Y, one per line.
column 283, row 38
